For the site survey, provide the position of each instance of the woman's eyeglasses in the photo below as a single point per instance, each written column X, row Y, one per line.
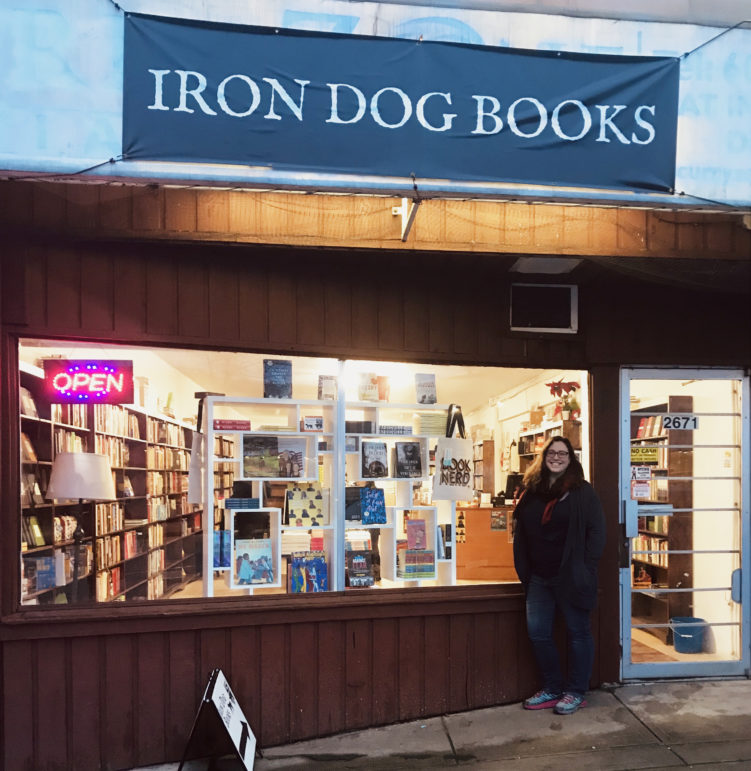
column 557, row 454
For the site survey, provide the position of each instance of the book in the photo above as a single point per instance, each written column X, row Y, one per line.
column 253, row 561
column 222, row 549
column 641, row 429
column 384, row 388
column 277, row 379
column 46, row 573
column 260, row 456
column 359, row 568
column 28, row 455
column 374, row 460
column 291, row 459
column 368, row 388
column 312, row 423
column 28, row 405
column 352, row 505
column 327, row 387
column 306, row 506
column 416, row 535
column 308, row 572
column 425, row 390
column 372, row 506
column 37, row 537
column 408, row 460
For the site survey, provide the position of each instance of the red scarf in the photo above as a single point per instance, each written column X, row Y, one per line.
column 547, row 512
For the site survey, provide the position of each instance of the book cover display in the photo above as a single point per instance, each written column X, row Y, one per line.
column 277, row 379
column 425, row 390
column 308, row 572
column 253, row 561
column 306, row 505
column 368, row 388
column 372, row 506
column 360, row 568
column 291, row 456
column 374, row 460
column 327, row 387
column 408, row 460
column 416, row 534
column 260, row 456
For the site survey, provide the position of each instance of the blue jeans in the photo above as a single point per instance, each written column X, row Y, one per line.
column 543, row 596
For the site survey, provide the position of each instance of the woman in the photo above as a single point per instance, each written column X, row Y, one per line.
column 558, row 539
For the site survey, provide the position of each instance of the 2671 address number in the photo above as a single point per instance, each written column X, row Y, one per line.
column 680, row 422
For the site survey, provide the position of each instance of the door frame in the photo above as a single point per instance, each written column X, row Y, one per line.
column 682, row 669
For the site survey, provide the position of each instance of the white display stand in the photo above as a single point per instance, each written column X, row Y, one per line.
column 283, row 418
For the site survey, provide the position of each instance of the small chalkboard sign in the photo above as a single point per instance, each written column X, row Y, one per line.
column 219, row 696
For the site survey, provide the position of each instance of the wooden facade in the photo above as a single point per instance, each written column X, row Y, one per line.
column 115, row 687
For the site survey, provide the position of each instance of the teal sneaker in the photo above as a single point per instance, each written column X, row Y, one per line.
column 542, row 700
column 569, row 704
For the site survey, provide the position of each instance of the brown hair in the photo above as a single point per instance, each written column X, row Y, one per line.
column 537, row 476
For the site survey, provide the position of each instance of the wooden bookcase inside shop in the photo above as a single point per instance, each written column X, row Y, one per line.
column 146, row 543
column 484, row 466
column 532, row 441
column 665, row 523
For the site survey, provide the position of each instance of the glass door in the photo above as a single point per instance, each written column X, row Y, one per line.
column 685, row 514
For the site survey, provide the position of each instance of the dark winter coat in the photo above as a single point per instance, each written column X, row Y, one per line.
column 585, row 542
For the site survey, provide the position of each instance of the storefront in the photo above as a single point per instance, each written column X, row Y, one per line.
column 108, row 636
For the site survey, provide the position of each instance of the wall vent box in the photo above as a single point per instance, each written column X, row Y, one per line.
column 545, row 308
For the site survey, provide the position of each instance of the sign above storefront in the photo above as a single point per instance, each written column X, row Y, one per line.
column 220, row 93
column 85, row 381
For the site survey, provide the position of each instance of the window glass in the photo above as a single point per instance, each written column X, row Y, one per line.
column 229, row 474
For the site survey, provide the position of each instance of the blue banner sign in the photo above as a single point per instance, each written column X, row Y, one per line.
column 331, row 103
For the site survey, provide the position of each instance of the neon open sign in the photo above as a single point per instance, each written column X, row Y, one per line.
column 92, row 381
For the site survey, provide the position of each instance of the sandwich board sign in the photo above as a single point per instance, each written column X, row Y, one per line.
column 219, row 695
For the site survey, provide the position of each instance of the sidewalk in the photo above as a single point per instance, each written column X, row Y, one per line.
column 676, row 725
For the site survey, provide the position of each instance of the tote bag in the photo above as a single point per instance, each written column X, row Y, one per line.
column 452, row 480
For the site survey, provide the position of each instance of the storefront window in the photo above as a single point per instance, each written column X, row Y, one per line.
column 230, row 474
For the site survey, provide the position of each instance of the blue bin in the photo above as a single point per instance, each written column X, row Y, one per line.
column 688, row 634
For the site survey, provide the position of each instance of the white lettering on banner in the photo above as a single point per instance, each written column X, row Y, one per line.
column 255, row 95
column 194, row 92
column 482, row 114
column 650, row 129
column 448, row 119
column 586, row 120
column 456, row 474
column 526, row 117
column 361, row 103
column 606, row 122
column 377, row 115
column 277, row 88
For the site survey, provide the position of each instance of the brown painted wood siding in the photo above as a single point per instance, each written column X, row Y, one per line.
column 123, row 697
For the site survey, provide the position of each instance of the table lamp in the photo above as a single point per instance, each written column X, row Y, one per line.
column 82, row 476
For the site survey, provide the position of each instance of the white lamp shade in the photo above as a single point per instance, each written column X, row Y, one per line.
column 81, row 475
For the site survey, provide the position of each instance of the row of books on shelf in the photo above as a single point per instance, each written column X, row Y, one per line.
column 114, row 419
column 406, row 460
column 109, row 517
column 31, row 490
column 649, row 427
column 40, row 573
column 162, row 482
column 116, row 449
column 654, row 524
column 155, row 562
column 161, row 432
column 68, row 441
column 647, row 543
column 160, row 508
column 414, row 563
column 158, row 458
column 223, row 447
column 71, row 414
column 109, row 551
column 278, row 384
column 109, row 584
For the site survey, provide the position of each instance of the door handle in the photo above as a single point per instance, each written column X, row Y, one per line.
column 735, row 585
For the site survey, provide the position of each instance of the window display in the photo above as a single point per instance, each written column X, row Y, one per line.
column 244, row 474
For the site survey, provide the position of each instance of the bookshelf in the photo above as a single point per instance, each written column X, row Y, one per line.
column 664, row 517
column 143, row 545
column 406, row 486
column 263, row 449
column 484, row 466
column 532, row 441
